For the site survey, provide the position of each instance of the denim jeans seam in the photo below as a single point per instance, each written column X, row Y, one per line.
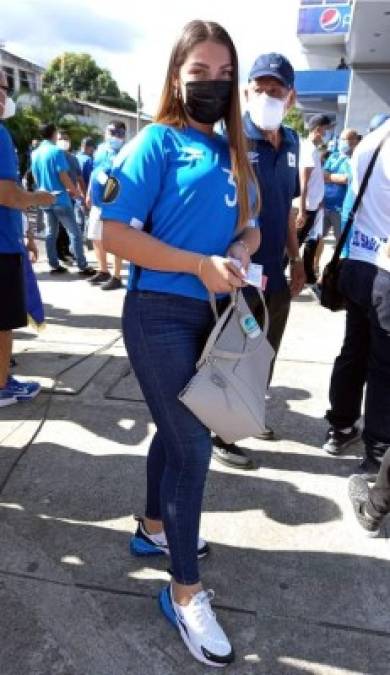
column 161, row 399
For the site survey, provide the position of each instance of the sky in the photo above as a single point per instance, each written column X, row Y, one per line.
column 133, row 39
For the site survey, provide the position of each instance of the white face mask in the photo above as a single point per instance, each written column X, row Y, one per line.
column 9, row 109
column 265, row 111
column 63, row 144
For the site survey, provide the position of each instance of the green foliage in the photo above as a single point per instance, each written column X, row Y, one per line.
column 69, row 76
column 294, row 119
column 78, row 76
column 24, row 126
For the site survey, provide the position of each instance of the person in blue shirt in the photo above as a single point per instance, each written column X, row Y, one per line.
column 102, row 164
column 178, row 206
column 13, row 199
column 85, row 158
column 50, row 170
column 274, row 154
column 76, row 176
column 337, row 174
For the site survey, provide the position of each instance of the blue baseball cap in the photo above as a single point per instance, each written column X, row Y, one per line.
column 273, row 65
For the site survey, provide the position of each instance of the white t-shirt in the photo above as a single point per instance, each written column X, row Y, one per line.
column 370, row 239
column 310, row 158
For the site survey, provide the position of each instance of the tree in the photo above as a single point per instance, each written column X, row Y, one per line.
column 294, row 119
column 73, row 76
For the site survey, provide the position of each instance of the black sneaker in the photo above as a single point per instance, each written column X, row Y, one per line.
column 87, row 272
column 68, row 260
column 267, row 435
column 358, row 494
column 112, row 284
column 58, row 270
column 231, row 455
column 99, row 278
column 369, row 467
column 337, row 441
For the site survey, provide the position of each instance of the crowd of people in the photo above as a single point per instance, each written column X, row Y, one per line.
column 181, row 203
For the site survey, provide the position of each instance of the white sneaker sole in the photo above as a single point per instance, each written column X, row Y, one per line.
column 195, row 653
column 7, row 401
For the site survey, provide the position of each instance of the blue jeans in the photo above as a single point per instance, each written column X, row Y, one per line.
column 79, row 214
column 64, row 215
column 364, row 357
column 164, row 336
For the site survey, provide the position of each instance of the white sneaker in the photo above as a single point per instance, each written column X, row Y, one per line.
column 144, row 544
column 198, row 627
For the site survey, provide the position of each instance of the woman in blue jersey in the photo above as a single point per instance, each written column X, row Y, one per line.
column 177, row 205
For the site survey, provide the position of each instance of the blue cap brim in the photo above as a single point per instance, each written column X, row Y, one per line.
column 269, row 73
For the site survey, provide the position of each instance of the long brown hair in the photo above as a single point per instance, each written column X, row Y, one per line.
column 171, row 110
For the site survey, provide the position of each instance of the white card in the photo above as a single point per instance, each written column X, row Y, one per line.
column 253, row 275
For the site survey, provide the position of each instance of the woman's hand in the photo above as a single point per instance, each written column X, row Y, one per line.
column 239, row 251
column 219, row 275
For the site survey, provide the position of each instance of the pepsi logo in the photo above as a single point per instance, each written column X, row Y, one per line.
column 330, row 20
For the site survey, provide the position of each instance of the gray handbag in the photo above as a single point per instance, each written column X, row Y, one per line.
column 227, row 393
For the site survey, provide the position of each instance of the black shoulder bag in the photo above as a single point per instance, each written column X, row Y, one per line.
column 331, row 298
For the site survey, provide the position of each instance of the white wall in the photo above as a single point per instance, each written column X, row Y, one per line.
column 369, row 93
column 100, row 119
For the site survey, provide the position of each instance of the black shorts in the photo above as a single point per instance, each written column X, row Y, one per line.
column 13, row 313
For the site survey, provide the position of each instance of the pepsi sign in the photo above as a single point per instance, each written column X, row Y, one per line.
column 330, row 20
column 324, row 20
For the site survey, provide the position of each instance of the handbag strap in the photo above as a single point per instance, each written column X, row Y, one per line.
column 351, row 217
column 222, row 353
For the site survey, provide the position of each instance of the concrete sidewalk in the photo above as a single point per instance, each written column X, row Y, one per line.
column 298, row 588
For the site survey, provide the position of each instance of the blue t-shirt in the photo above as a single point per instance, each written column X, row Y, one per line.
column 86, row 165
column 277, row 172
column 47, row 162
column 104, row 155
column 180, row 181
column 102, row 167
column 11, row 226
column 335, row 194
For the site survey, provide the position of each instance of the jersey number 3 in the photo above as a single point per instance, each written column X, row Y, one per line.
column 231, row 200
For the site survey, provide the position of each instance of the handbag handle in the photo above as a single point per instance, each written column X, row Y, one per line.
column 351, row 217
column 222, row 353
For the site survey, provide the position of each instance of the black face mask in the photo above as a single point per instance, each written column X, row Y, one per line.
column 207, row 101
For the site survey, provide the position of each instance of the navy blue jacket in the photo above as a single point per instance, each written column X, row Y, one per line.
column 277, row 172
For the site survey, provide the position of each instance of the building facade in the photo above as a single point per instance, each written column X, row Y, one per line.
column 347, row 49
column 97, row 115
column 22, row 75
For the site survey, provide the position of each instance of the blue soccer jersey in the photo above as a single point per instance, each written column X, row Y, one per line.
column 11, row 228
column 180, row 182
column 47, row 162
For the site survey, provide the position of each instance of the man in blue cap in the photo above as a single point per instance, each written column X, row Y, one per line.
column 274, row 154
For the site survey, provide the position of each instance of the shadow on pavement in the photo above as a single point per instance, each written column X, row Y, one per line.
column 290, row 610
column 60, row 315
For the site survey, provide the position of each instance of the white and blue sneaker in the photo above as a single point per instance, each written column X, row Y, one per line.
column 7, row 397
column 144, row 544
column 198, row 627
column 22, row 391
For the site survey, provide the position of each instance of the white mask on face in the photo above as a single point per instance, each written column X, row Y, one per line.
column 265, row 111
column 9, row 109
column 63, row 144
